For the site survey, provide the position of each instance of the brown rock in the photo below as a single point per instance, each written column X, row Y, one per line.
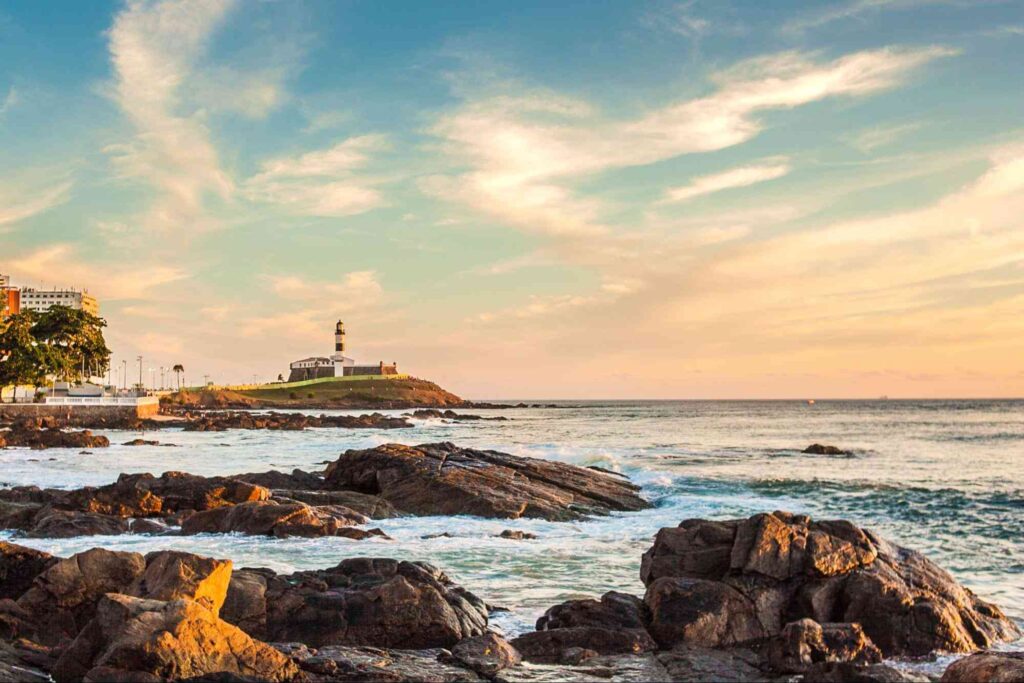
column 614, row 610
column 986, row 667
column 700, row 613
column 38, row 439
column 51, row 523
column 560, row 646
column 373, row 665
column 19, row 566
column 63, row 598
column 136, row 639
column 819, row 449
column 848, row 672
column 487, row 654
column 443, row 479
column 789, row 567
column 268, row 518
column 362, row 601
column 806, row 642
column 172, row 575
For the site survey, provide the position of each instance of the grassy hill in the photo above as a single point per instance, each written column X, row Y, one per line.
column 364, row 394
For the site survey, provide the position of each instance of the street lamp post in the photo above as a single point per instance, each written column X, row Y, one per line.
column 139, row 358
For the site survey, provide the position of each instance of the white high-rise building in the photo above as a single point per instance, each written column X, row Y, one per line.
column 40, row 300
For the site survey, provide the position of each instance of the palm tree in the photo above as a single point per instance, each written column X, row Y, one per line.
column 177, row 370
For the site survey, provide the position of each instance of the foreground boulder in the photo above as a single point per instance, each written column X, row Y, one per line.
column 19, row 566
column 172, row 575
column 751, row 577
column 987, row 667
column 63, row 598
column 151, row 640
column 805, row 643
column 443, row 479
column 362, row 601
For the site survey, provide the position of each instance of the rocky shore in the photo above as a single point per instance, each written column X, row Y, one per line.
column 775, row 597
column 387, row 481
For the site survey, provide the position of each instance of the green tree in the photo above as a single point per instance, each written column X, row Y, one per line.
column 75, row 339
column 22, row 359
column 178, row 369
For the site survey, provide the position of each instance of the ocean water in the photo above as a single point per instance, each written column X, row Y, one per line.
column 943, row 477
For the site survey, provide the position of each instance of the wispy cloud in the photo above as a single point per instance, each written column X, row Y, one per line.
column 63, row 263
column 322, row 182
column 20, row 202
column 525, row 152
column 870, row 139
column 743, row 176
column 153, row 48
column 10, row 100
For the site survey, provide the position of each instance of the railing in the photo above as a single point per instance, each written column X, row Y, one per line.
column 101, row 400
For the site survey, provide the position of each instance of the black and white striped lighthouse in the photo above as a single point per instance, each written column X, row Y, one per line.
column 339, row 338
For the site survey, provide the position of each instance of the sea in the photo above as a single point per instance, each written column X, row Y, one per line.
column 945, row 477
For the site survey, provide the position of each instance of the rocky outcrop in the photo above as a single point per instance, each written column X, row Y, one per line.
column 451, row 415
column 987, row 667
column 62, row 599
column 21, row 436
column 152, row 640
column 363, row 601
column 758, row 574
column 19, row 566
column 270, row 518
column 218, row 422
column 700, row 613
column 443, row 479
column 377, row 665
column 819, row 449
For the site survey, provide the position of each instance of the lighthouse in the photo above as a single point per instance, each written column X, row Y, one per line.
column 340, row 360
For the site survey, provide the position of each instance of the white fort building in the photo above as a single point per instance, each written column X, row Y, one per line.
column 336, row 365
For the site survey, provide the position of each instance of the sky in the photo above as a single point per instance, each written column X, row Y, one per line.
column 581, row 199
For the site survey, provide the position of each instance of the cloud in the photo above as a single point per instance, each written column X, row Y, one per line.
column 153, row 48
column 526, row 152
column 62, row 265
column 10, row 100
column 870, row 139
column 357, row 287
column 320, row 183
column 19, row 203
column 851, row 10
column 744, row 176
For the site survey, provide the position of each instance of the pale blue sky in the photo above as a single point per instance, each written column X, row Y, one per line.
column 532, row 199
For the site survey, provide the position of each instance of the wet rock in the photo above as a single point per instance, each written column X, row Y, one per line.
column 13, row 669
column 560, row 646
column 172, row 575
column 516, row 535
column 373, row 507
column 268, row 518
column 63, row 598
column 373, row 665
column 701, row 613
column 614, row 610
column 51, row 523
column 819, row 449
column 692, row 664
column 141, row 442
column 147, row 640
column 986, row 667
column 39, row 439
column 486, row 655
column 443, row 479
column 806, row 642
column 19, row 566
column 848, row 672
column 362, row 601
column 788, row 567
